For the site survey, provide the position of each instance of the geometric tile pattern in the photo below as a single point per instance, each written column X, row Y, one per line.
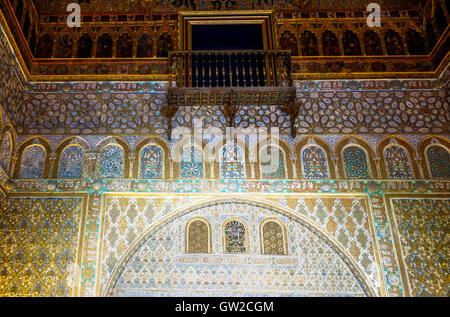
column 273, row 165
column 348, row 222
column 375, row 112
column 355, row 163
column 160, row 266
column 423, row 229
column 71, row 162
column 198, row 237
column 191, row 162
column 314, row 163
column 232, row 162
column 397, row 162
column 273, row 240
column 235, row 236
column 38, row 246
column 151, row 162
column 32, row 164
column 439, row 162
column 111, row 165
column 11, row 79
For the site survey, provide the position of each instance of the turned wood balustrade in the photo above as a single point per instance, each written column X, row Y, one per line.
column 231, row 68
column 229, row 80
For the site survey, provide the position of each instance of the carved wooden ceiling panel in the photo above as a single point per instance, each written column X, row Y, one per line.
column 142, row 6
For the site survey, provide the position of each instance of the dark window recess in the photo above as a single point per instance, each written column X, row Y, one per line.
column 53, row 19
column 87, row 19
column 219, row 69
column 122, row 18
column 139, row 18
column 104, row 18
column 413, row 13
column 323, row 15
column 395, row 14
column 340, row 14
column 227, row 37
column 304, row 15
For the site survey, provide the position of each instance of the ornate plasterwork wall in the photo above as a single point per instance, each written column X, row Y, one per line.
column 80, row 236
column 158, row 263
column 110, row 108
column 39, row 243
column 421, row 226
column 355, row 216
column 12, row 82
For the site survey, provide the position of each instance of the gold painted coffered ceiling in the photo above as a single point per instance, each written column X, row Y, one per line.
column 131, row 39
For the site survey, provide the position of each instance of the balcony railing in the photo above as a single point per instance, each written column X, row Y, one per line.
column 229, row 80
column 255, row 68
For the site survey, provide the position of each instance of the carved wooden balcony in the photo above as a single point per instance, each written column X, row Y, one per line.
column 229, row 79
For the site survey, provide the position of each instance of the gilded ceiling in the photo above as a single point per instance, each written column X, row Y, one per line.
column 141, row 6
column 133, row 38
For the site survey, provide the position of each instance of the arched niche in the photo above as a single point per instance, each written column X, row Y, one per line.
column 34, row 141
column 130, row 266
column 307, row 141
column 198, row 236
column 285, row 149
column 424, row 146
column 384, row 143
column 126, row 154
column 207, row 156
column 273, row 237
column 8, row 132
column 65, row 144
column 363, row 144
column 148, row 141
column 217, row 150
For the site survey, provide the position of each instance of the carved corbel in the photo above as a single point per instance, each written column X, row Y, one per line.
column 292, row 109
column 169, row 111
column 229, row 109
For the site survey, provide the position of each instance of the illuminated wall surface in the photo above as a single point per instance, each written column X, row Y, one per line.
column 96, row 200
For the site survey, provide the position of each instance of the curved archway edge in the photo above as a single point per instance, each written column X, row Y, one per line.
column 358, row 274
